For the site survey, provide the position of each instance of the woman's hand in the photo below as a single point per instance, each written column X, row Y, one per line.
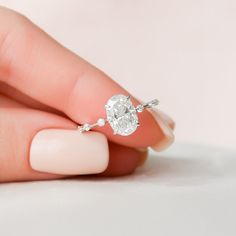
column 45, row 91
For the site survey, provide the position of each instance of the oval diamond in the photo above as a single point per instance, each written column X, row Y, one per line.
column 121, row 115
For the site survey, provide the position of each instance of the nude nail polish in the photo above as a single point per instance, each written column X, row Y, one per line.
column 166, row 118
column 69, row 152
column 168, row 137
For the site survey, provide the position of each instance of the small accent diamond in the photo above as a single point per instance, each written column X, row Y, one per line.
column 85, row 127
column 101, row 122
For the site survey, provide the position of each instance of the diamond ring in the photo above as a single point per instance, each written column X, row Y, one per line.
column 121, row 115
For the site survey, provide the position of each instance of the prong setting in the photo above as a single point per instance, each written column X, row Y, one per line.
column 140, row 108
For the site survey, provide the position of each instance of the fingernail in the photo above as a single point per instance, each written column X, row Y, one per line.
column 166, row 118
column 143, row 156
column 168, row 137
column 69, row 152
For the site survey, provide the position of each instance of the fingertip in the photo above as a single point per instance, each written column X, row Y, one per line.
column 69, row 152
column 168, row 135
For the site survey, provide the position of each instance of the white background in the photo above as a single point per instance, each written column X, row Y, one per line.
column 188, row 191
column 182, row 52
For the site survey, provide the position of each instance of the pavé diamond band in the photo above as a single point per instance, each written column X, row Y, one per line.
column 121, row 115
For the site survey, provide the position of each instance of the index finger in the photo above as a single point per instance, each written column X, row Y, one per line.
column 38, row 66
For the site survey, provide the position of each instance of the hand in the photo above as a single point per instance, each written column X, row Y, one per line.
column 45, row 91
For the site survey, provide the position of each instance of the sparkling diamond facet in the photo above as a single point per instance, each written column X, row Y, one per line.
column 121, row 115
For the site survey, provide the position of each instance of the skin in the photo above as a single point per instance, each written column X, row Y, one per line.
column 27, row 83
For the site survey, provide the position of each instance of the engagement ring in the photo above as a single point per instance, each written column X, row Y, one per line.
column 122, row 115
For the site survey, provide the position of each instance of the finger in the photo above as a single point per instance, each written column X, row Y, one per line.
column 38, row 145
column 26, row 100
column 39, row 67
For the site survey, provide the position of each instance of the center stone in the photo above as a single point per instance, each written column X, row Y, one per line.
column 121, row 115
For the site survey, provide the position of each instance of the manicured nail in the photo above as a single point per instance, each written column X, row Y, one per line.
column 143, row 156
column 69, row 152
column 168, row 138
column 165, row 118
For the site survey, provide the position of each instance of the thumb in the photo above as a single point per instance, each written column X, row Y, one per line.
column 39, row 145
